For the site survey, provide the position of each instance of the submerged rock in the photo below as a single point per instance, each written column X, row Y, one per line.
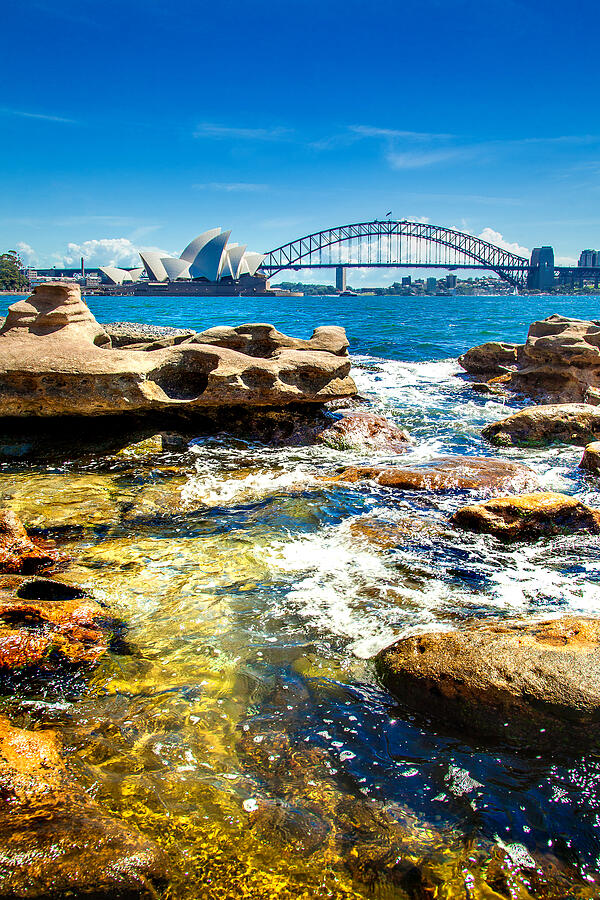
column 56, row 360
column 491, row 358
column 18, row 553
column 591, row 457
column 448, row 473
column 529, row 516
column 567, row 423
column 55, row 841
column 360, row 430
column 48, row 626
column 387, row 535
column 537, row 683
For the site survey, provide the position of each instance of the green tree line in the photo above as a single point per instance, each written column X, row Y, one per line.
column 12, row 276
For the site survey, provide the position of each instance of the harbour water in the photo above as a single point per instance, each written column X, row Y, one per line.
column 245, row 730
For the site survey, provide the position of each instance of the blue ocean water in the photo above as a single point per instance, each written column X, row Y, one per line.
column 408, row 328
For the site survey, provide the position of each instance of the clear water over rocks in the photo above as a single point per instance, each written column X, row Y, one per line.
column 245, row 731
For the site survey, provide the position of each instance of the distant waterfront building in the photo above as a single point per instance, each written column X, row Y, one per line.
column 451, row 282
column 431, row 285
column 208, row 257
column 406, row 281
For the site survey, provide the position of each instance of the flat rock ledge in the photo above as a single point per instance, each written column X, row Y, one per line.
column 447, row 473
column 535, row 426
column 57, row 360
column 535, row 684
column 529, row 516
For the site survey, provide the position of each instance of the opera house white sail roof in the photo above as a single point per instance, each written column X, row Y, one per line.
column 208, row 256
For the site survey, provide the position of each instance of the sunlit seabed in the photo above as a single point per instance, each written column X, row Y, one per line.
column 246, row 731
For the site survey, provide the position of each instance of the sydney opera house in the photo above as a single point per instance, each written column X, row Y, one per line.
column 209, row 258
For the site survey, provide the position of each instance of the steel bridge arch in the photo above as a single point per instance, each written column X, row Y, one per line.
column 509, row 266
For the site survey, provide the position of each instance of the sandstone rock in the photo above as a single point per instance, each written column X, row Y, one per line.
column 360, row 430
column 591, row 457
column 55, row 841
column 18, row 553
column 491, row 358
column 448, row 473
column 529, row 516
column 49, row 626
column 532, row 682
column 568, row 423
column 560, row 359
column 262, row 340
column 55, row 360
column 126, row 334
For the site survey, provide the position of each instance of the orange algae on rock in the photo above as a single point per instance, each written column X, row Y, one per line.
column 18, row 553
column 529, row 516
column 449, row 473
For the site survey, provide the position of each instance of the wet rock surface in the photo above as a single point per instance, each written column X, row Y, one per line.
column 529, row 516
column 48, row 626
column 361, row 429
column 534, row 683
column 56, row 360
column 56, row 842
column 491, row 358
column 451, row 473
column 20, row 554
column 591, row 458
column 567, row 423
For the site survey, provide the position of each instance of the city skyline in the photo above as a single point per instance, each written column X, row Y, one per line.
column 281, row 136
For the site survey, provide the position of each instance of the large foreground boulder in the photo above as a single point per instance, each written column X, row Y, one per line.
column 537, row 683
column 56, row 360
column 448, row 473
column 567, row 423
column 529, row 516
column 55, row 841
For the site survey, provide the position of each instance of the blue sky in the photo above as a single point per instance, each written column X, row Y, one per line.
column 139, row 123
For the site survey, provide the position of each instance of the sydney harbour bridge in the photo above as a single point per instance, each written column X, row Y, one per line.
column 406, row 244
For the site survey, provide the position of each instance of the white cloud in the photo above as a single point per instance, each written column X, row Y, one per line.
column 231, row 186
column 414, row 159
column 106, row 252
column 494, row 237
column 27, row 253
column 46, row 117
column 372, row 131
column 214, row 130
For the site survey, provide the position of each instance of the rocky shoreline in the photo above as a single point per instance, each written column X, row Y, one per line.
column 130, row 395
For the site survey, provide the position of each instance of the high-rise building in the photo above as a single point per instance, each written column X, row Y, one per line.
column 431, row 285
column 589, row 259
column 451, row 282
